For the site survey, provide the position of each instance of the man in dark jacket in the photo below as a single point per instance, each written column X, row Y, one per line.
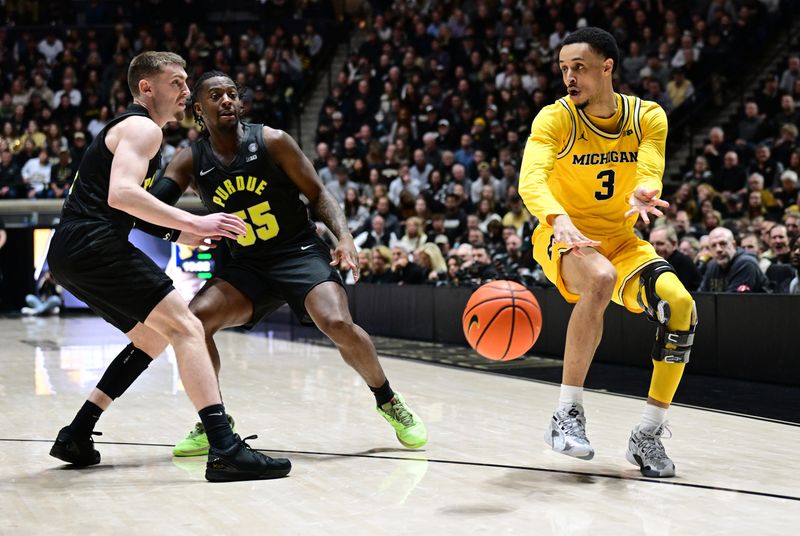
column 731, row 270
column 665, row 242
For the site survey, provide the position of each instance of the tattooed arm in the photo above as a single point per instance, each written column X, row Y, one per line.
column 291, row 159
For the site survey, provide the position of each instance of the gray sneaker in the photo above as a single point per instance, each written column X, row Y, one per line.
column 646, row 451
column 567, row 433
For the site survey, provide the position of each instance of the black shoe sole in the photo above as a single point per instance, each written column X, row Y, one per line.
column 236, row 476
column 63, row 454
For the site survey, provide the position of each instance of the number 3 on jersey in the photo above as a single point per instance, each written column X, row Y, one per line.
column 261, row 224
column 607, row 177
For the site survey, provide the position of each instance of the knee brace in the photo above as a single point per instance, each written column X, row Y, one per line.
column 657, row 310
column 123, row 371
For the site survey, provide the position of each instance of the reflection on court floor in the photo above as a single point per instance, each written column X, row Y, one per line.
column 485, row 469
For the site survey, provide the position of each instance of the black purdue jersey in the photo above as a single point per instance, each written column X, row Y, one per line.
column 254, row 188
column 88, row 197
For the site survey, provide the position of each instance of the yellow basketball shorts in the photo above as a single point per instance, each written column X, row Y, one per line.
column 627, row 252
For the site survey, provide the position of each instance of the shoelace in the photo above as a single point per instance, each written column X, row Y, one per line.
column 93, row 434
column 572, row 426
column 251, row 449
column 402, row 414
column 244, row 441
column 198, row 429
column 651, row 445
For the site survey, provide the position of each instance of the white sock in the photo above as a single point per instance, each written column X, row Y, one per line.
column 570, row 394
column 653, row 416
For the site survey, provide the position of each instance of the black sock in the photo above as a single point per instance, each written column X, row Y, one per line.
column 218, row 430
column 87, row 416
column 383, row 394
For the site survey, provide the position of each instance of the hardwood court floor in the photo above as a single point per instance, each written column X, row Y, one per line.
column 485, row 470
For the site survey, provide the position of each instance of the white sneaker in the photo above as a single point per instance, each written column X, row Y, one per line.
column 567, row 433
column 646, row 450
column 27, row 311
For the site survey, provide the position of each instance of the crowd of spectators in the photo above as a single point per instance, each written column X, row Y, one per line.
column 422, row 136
column 61, row 85
column 744, row 185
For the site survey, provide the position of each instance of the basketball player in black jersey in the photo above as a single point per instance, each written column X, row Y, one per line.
column 92, row 258
column 258, row 173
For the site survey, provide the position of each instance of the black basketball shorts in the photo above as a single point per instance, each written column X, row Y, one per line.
column 100, row 267
column 284, row 274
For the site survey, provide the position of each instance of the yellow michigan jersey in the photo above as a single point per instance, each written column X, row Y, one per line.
column 574, row 166
column 587, row 168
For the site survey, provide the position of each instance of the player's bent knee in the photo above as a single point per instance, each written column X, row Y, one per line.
column 147, row 340
column 182, row 326
column 209, row 320
column 680, row 302
column 601, row 282
column 608, row 278
column 337, row 327
column 672, row 300
column 194, row 326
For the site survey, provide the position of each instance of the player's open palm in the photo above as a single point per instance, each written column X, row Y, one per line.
column 644, row 202
column 345, row 257
column 565, row 232
column 219, row 224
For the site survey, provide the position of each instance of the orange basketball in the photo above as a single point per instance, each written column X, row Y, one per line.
column 502, row 320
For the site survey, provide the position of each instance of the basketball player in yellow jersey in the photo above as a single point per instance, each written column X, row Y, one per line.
column 592, row 166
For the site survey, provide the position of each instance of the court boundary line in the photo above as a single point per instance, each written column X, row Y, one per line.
column 665, row 482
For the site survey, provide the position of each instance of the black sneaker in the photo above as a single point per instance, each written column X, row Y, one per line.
column 240, row 462
column 78, row 451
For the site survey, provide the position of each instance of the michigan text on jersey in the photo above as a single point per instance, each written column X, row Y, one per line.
column 594, row 159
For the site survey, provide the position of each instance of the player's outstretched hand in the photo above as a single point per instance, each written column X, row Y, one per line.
column 219, row 224
column 345, row 256
column 564, row 231
column 644, row 201
column 189, row 239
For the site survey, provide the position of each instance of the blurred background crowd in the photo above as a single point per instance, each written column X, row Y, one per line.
column 421, row 132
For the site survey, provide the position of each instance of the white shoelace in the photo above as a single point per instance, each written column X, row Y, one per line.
column 651, row 445
column 572, row 426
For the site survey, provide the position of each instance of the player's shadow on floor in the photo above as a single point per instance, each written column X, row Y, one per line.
column 66, row 475
column 417, row 455
column 88, row 469
column 391, row 450
column 140, row 463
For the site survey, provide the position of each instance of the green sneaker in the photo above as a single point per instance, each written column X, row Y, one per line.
column 196, row 443
column 408, row 426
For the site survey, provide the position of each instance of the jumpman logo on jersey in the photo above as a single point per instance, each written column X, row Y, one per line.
column 583, row 136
